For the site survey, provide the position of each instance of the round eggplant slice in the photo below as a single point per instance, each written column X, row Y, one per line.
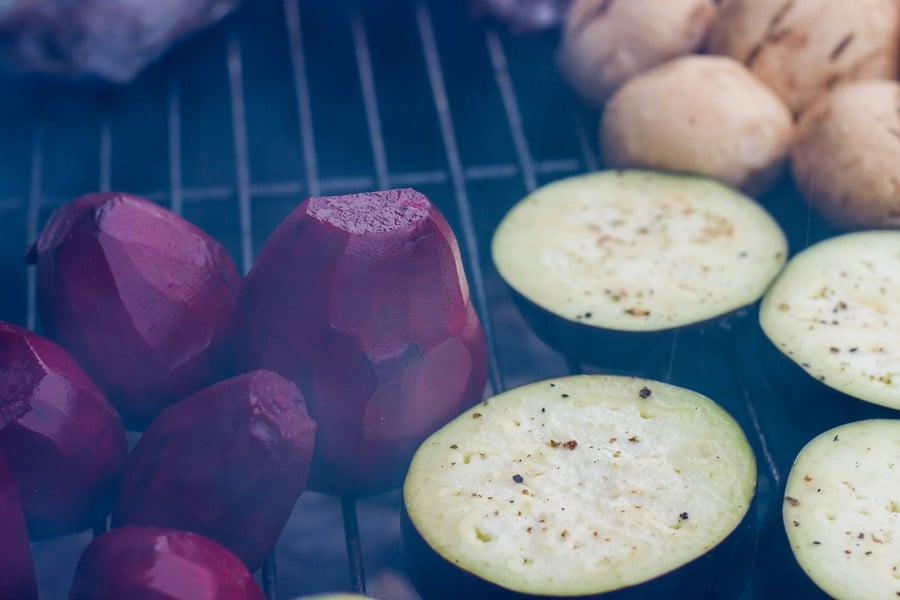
column 842, row 511
column 639, row 252
column 581, row 486
column 833, row 313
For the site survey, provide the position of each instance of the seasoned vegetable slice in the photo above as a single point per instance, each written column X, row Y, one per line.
column 638, row 250
column 842, row 510
column 582, row 485
column 834, row 312
column 658, row 256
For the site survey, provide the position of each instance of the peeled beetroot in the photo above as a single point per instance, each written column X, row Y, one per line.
column 67, row 452
column 362, row 300
column 152, row 563
column 142, row 299
column 228, row 463
column 17, row 579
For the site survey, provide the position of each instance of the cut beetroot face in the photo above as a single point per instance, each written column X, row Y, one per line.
column 152, row 563
column 17, row 579
column 67, row 452
column 228, row 463
column 362, row 300
column 142, row 298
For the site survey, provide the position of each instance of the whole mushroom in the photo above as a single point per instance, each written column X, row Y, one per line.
column 846, row 155
column 605, row 42
column 699, row 114
column 803, row 48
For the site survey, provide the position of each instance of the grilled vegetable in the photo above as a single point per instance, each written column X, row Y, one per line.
column 149, row 563
column 606, row 43
column 608, row 265
column 832, row 313
column 67, row 452
column 827, row 341
column 582, row 486
column 98, row 39
column 839, row 532
column 17, row 579
column 799, row 407
column 362, row 300
column 846, row 155
column 699, row 114
column 139, row 296
column 803, row 48
column 228, row 463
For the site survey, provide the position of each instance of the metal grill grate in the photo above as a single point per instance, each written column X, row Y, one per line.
column 288, row 100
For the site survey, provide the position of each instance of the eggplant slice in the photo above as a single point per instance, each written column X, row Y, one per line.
column 842, row 510
column 834, row 312
column 641, row 252
column 583, row 485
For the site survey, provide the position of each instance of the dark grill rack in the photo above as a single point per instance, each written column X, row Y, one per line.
column 308, row 97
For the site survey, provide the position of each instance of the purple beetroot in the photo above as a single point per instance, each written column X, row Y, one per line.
column 228, row 463
column 152, row 563
column 17, row 579
column 362, row 300
column 66, row 452
column 142, row 299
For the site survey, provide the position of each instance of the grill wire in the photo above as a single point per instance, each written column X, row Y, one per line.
column 59, row 142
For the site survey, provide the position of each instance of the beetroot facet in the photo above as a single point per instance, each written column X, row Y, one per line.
column 142, row 298
column 17, row 579
column 67, row 452
column 362, row 300
column 228, row 463
column 152, row 563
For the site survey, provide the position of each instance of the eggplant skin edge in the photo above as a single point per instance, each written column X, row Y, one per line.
column 829, row 313
column 618, row 348
column 721, row 573
column 806, row 406
column 777, row 574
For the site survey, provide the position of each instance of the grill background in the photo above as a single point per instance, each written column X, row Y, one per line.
column 291, row 99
